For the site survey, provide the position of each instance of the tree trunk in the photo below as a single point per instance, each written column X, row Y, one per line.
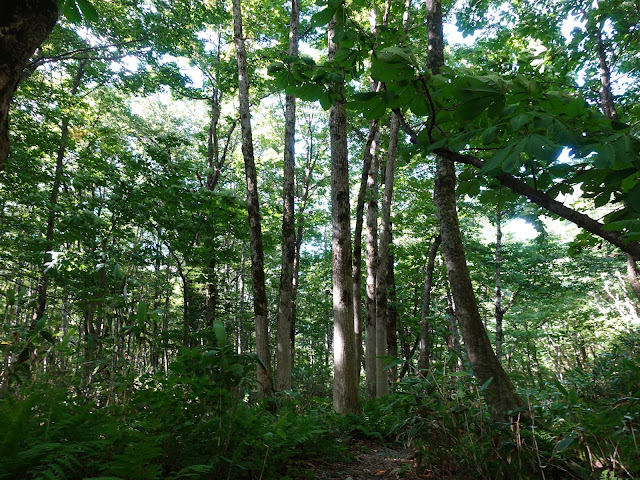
column 610, row 111
column 24, row 25
column 499, row 311
column 265, row 381
column 392, row 321
column 370, row 149
column 345, row 369
column 285, row 302
column 371, row 259
column 500, row 394
column 382, row 375
column 43, row 283
column 425, row 327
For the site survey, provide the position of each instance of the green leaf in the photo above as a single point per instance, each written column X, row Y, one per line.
column 458, row 374
column 560, row 387
column 221, row 333
column 11, row 297
column 484, row 386
column 47, row 336
column 563, row 444
column 141, row 313
column 40, row 324
column 323, row 17
column 71, row 11
column 88, row 11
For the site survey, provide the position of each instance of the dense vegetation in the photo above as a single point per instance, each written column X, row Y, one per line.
column 188, row 294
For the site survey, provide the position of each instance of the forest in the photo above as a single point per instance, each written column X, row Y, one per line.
column 329, row 239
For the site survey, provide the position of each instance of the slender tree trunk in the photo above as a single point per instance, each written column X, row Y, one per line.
column 24, row 25
column 286, row 302
column 370, row 150
column 371, row 258
column 425, row 326
column 43, row 283
column 499, row 311
column 610, row 111
column 345, row 369
column 392, row 320
column 382, row 376
column 500, row 393
column 310, row 164
column 260, row 309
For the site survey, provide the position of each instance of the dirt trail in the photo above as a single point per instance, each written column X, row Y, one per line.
column 369, row 459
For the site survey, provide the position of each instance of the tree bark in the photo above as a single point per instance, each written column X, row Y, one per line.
column 382, row 376
column 392, row 321
column 499, row 311
column 500, row 393
column 285, row 302
column 609, row 109
column 24, row 25
column 265, row 380
column 371, row 259
column 345, row 369
column 425, row 327
column 370, row 148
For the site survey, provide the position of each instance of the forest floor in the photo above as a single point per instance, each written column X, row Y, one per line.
column 366, row 459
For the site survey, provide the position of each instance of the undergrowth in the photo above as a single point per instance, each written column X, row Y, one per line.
column 584, row 427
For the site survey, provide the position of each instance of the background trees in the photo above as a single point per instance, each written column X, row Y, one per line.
column 124, row 241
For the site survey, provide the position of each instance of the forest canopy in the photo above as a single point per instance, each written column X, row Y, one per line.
column 234, row 231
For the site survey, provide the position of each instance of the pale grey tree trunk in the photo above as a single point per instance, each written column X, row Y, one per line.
column 345, row 369
column 371, row 259
column 370, row 149
column 260, row 309
column 286, row 302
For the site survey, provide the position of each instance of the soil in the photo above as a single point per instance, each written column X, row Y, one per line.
column 368, row 459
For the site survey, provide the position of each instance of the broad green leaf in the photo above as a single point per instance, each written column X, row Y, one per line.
column 88, row 10
column 221, row 333
column 323, row 17
column 141, row 313
column 563, row 444
column 11, row 297
column 72, row 12
column 40, row 323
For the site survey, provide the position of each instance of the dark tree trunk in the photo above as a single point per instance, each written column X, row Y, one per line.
column 500, row 394
column 499, row 311
column 265, row 380
column 425, row 327
column 345, row 369
column 610, row 111
column 382, row 375
column 24, row 25
column 286, row 302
